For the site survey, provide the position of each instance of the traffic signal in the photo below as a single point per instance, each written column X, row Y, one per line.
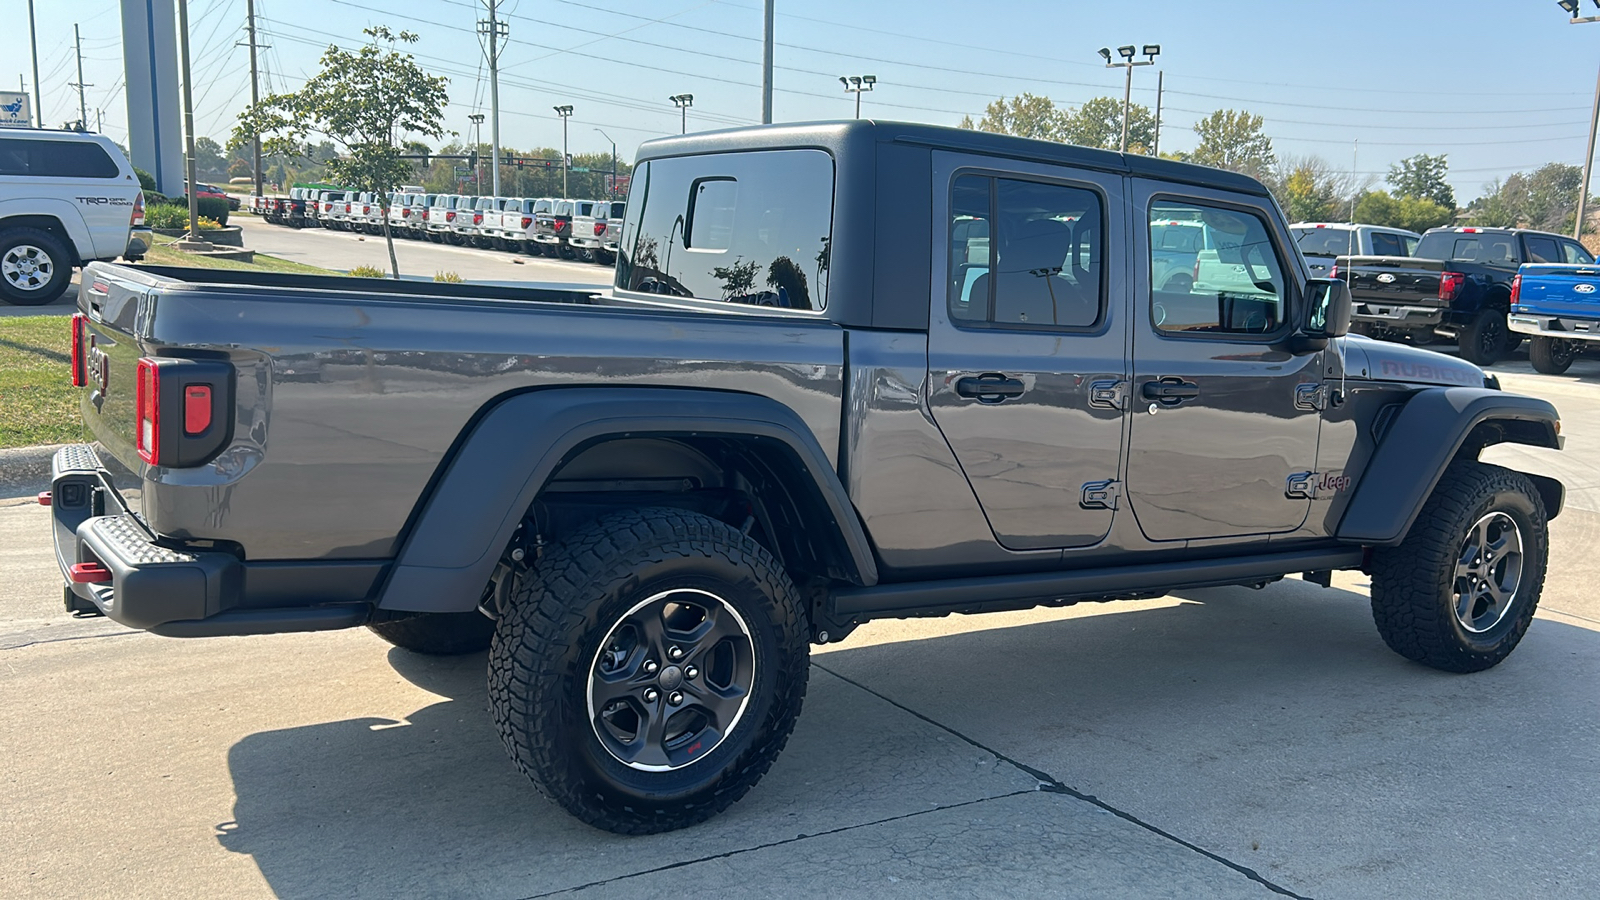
column 472, row 160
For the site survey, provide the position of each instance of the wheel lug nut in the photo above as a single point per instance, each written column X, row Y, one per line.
column 651, row 694
column 676, row 653
column 650, row 666
column 691, row 672
column 675, row 698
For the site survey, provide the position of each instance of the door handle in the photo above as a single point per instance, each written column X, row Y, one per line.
column 1170, row 391
column 990, row 388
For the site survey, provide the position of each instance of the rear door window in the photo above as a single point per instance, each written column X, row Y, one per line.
column 1543, row 249
column 1387, row 244
column 55, row 159
column 1573, row 253
column 750, row 228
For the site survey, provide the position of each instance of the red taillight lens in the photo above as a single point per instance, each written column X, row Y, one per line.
column 526, row 221
column 79, row 376
column 136, row 220
column 196, row 409
column 147, row 410
column 477, row 218
column 599, row 228
column 366, row 210
column 1450, row 284
column 424, row 215
column 1333, row 271
column 450, row 216
column 1516, row 288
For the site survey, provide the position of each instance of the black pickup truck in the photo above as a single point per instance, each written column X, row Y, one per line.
column 647, row 503
column 1456, row 285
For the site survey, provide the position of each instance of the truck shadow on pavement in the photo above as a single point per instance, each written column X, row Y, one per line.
column 1228, row 717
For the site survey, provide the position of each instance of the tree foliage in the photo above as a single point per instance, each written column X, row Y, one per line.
column 1309, row 190
column 1545, row 198
column 364, row 102
column 1097, row 123
column 1024, row 115
column 1233, row 140
column 1425, row 177
column 1411, row 213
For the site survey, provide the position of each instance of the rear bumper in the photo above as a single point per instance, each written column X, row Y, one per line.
column 180, row 592
column 586, row 243
column 138, row 244
column 1567, row 328
column 547, row 239
column 1397, row 316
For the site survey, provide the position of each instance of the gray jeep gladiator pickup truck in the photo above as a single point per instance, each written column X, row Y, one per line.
column 847, row 371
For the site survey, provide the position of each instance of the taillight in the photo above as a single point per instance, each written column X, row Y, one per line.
column 599, row 228
column 1196, row 276
column 80, row 376
column 1516, row 288
column 424, row 215
column 1450, row 284
column 1333, row 271
column 366, row 210
column 147, row 410
column 450, row 216
column 136, row 220
column 477, row 218
column 526, row 221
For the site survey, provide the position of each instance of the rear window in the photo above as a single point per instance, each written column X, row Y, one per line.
column 618, row 210
column 584, row 208
column 55, row 159
column 750, row 228
column 1491, row 248
column 1326, row 241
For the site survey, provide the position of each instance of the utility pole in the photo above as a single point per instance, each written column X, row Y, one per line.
column 255, row 93
column 1161, row 79
column 613, row 161
column 564, row 112
column 188, row 124
column 766, row 66
column 1151, row 51
column 33, row 42
column 494, row 30
column 1571, row 6
column 83, row 107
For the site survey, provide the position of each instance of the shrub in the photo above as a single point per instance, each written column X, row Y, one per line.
column 367, row 272
column 166, row 215
column 147, row 182
column 214, row 208
column 447, row 277
column 207, row 224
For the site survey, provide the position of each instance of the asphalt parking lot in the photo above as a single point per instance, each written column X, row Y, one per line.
column 1217, row 743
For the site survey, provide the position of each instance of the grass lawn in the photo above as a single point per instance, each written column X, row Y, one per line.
column 162, row 254
column 38, row 404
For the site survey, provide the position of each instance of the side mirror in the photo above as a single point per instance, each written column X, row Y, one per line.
column 1327, row 309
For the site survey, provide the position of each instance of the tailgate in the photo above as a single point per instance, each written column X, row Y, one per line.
column 110, row 305
column 1392, row 279
column 1552, row 290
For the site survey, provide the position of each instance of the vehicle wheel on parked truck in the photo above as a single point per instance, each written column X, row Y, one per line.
column 649, row 670
column 1552, row 356
column 1483, row 341
column 438, row 634
column 35, row 268
column 1458, row 593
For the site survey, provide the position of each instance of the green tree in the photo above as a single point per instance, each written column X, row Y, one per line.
column 209, row 162
column 1411, row 213
column 364, row 102
column 1423, row 176
column 1545, row 198
column 1309, row 190
column 1233, row 140
column 1098, row 123
column 785, row 275
column 737, row 279
column 1024, row 115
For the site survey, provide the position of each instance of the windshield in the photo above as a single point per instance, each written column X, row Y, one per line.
column 1327, row 241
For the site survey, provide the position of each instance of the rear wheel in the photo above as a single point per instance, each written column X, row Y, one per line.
column 650, row 670
column 1483, row 341
column 34, row 267
column 438, row 634
column 1552, row 356
column 1458, row 593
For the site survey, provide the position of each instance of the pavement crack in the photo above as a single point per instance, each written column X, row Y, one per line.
column 796, row 839
column 1052, row 785
column 59, row 640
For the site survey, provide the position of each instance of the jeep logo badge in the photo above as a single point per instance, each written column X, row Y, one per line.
column 1584, row 288
column 1386, row 278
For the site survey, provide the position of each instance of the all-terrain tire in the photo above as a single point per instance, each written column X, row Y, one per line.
column 1552, row 356
column 438, row 634
column 549, row 642
column 1414, row 585
column 1483, row 341
column 37, row 267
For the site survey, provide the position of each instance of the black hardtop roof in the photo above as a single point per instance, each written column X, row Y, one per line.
column 836, row 135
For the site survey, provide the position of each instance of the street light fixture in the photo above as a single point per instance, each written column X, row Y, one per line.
column 613, row 160
column 857, row 84
column 683, row 102
column 1127, row 52
column 563, row 112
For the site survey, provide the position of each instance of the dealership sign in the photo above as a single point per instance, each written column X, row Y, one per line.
column 14, row 110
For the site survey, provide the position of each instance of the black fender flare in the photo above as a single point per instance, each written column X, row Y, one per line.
column 1429, row 431
column 499, row 468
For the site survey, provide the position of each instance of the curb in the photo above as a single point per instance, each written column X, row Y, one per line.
column 25, row 471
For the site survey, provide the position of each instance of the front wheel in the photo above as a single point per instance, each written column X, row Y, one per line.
column 1460, row 590
column 1483, row 341
column 650, row 670
column 1551, row 356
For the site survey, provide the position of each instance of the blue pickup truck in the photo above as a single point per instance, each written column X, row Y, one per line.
column 1559, row 307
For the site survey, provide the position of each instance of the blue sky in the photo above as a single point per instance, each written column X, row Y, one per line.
column 1499, row 85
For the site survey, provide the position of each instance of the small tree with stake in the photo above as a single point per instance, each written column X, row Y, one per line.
column 366, row 102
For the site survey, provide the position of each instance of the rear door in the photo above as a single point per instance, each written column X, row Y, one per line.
column 1223, row 414
column 1027, row 343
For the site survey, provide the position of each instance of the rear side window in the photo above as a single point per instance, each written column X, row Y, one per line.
column 1236, row 286
column 55, row 159
column 1025, row 254
column 1329, row 241
column 750, row 228
column 1573, row 253
column 1543, row 250
column 1385, row 244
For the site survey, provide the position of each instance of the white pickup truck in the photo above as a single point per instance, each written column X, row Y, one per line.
column 66, row 199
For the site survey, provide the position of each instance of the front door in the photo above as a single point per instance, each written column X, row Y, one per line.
column 1223, row 412
column 1027, row 344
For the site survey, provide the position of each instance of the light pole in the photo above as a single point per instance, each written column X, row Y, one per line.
column 477, row 146
column 1571, row 6
column 1151, row 51
column 613, row 160
column 858, row 84
column 683, row 102
column 563, row 112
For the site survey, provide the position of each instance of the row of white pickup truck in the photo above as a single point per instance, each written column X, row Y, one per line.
column 567, row 229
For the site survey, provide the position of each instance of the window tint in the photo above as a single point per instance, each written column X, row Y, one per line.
column 1573, row 253
column 1494, row 248
column 1234, row 286
column 1543, row 250
column 55, row 159
column 1034, row 261
column 583, row 208
column 1385, row 244
column 1327, row 241
column 749, row 228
